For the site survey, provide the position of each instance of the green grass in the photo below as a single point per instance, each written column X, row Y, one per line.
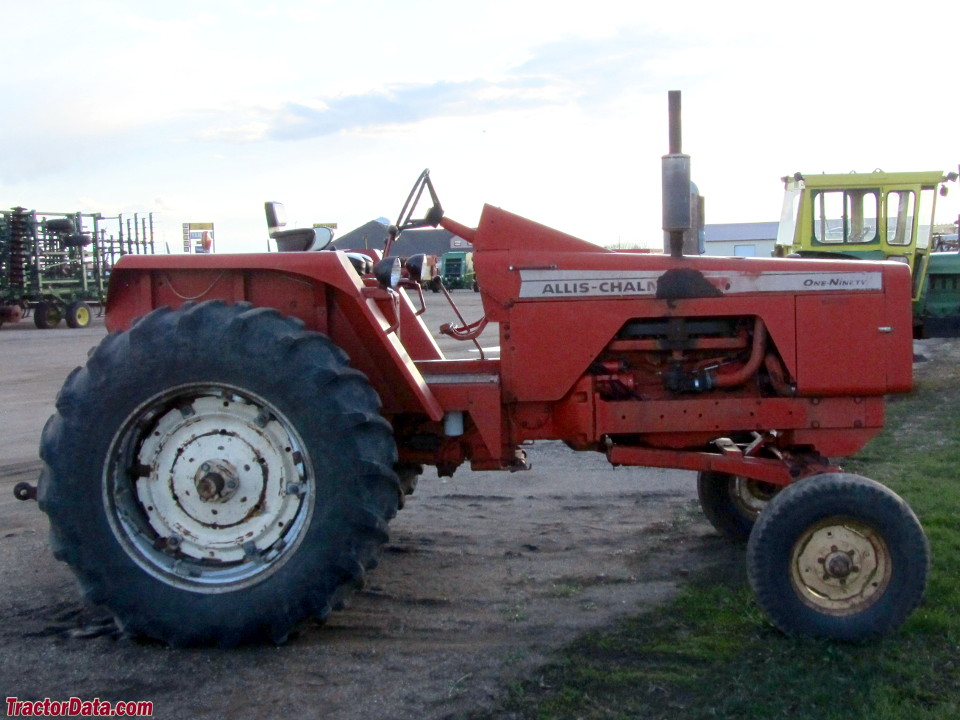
column 712, row 654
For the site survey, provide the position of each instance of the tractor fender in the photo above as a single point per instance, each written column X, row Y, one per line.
column 321, row 289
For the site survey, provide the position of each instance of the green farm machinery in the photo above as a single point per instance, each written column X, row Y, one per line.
column 456, row 268
column 878, row 216
column 55, row 266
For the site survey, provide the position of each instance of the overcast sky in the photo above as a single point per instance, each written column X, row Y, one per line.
column 200, row 111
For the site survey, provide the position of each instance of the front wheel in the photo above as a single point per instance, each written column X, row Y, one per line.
column 238, row 478
column 733, row 503
column 838, row 556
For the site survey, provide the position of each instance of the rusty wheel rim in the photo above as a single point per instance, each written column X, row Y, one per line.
column 840, row 566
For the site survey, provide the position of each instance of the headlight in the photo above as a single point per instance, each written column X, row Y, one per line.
column 387, row 272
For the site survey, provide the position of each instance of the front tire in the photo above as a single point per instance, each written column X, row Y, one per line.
column 732, row 503
column 238, row 478
column 838, row 556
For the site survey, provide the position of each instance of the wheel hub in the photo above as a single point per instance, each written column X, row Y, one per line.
column 216, row 481
column 839, row 565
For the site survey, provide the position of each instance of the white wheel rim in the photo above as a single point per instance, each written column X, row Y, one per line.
column 210, row 488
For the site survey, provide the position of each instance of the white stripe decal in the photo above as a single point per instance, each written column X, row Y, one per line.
column 539, row 284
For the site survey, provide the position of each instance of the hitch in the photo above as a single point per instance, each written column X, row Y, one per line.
column 25, row 491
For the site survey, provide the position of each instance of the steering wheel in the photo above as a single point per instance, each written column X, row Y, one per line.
column 434, row 215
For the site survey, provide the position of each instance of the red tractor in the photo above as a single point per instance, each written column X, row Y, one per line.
column 226, row 463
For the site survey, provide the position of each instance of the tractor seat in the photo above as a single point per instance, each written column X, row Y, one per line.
column 300, row 239
column 297, row 240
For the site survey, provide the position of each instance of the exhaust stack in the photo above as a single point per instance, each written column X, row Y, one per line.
column 676, row 183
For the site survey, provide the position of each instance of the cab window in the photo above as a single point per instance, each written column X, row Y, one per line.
column 845, row 216
column 900, row 212
column 928, row 198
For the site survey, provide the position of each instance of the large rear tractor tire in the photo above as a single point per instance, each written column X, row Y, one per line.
column 236, row 480
column 838, row 556
column 732, row 503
